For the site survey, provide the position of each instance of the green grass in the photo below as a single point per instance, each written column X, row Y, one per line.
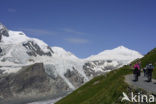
column 107, row 89
column 150, row 58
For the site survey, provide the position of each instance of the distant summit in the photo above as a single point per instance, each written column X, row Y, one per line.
column 120, row 53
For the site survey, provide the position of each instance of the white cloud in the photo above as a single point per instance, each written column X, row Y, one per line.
column 69, row 30
column 39, row 31
column 58, row 33
column 11, row 10
column 77, row 40
column 65, row 31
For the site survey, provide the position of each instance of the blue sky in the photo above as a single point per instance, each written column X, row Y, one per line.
column 84, row 27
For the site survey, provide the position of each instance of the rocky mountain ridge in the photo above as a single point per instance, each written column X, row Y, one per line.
column 61, row 67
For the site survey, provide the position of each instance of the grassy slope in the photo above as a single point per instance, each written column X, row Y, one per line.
column 150, row 58
column 106, row 89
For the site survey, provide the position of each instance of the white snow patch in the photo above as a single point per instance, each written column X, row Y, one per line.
column 46, row 102
column 58, row 51
column 10, row 69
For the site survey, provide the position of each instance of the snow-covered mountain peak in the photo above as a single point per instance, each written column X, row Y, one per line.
column 1, row 26
column 15, row 37
column 59, row 50
column 11, row 37
column 3, row 31
column 119, row 50
column 119, row 53
column 63, row 53
column 122, row 47
column 16, row 47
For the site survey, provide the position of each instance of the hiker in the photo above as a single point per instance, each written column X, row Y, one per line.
column 136, row 71
column 149, row 69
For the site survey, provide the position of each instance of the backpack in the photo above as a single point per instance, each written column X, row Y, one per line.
column 136, row 71
column 150, row 67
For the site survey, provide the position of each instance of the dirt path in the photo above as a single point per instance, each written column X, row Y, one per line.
column 141, row 83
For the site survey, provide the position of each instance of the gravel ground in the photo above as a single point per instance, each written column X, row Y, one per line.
column 141, row 83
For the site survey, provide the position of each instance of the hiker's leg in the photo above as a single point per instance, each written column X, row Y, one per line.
column 150, row 77
column 147, row 75
column 134, row 77
column 144, row 73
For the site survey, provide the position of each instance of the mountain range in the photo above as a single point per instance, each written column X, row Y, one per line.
column 29, row 68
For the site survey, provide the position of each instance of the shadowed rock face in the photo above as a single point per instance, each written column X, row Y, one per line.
column 30, row 82
column 91, row 65
column 3, row 31
column 74, row 77
column 35, row 50
column 0, row 50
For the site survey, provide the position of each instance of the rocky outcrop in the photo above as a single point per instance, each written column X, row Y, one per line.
column 0, row 37
column 0, row 50
column 35, row 50
column 74, row 77
column 31, row 82
column 97, row 67
column 3, row 31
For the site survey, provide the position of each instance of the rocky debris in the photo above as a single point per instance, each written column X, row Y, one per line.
column 30, row 82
